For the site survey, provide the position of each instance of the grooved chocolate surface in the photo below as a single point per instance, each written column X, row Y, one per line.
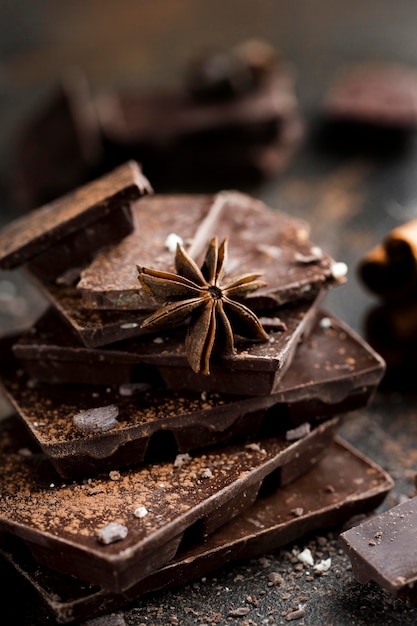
column 333, row 371
column 59, row 520
column 277, row 518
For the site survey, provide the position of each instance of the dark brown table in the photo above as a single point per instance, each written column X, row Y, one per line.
column 351, row 201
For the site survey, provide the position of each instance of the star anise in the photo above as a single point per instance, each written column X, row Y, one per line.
column 214, row 311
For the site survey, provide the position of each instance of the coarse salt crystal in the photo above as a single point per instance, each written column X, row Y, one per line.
column 306, row 557
column 172, row 241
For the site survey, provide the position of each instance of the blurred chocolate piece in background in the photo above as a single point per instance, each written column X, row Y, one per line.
column 370, row 105
column 233, row 118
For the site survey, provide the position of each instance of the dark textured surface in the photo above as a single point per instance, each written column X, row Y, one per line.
column 350, row 198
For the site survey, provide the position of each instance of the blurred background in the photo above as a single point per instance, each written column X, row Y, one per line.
column 351, row 202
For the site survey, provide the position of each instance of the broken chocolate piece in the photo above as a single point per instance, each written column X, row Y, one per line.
column 66, row 233
column 58, row 520
column 384, row 550
column 261, row 240
column 255, row 368
column 333, row 372
column 359, row 486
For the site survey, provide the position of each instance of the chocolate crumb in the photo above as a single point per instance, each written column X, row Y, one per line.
column 240, row 612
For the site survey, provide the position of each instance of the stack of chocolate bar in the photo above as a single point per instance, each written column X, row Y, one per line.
column 178, row 404
column 235, row 116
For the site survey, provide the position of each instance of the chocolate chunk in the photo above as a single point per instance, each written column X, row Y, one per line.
column 255, row 367
column 66, row 233
column 59, row 520
column 384, row 550
column 359, row 486
column 334, row 371
column 260, row 240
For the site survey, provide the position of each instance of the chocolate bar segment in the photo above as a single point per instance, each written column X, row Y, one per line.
column 114, row 530
column 66, row 233
column 255, row 367
column 384, row 550
column 332, row 372
column 261, row 240
column 358, row 486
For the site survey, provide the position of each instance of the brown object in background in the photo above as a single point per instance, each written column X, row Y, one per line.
column 60, row 147
column 390, row 269
column 375, row 93
column 370, row 107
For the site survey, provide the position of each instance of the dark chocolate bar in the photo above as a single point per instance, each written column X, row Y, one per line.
column 66, row 234
column 117, row 528
column 255, row 368
column 277, row 518
column 384, row 550
column 333, row 372
column 261, row 240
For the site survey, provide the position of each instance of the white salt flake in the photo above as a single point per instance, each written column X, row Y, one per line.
column 325, row 322
column 339, row 270
column 171, row 242
column 180, row 459
column 206, row 473
column 140, row 512
column 158, row 340
column 306, row 557
column 100, row 419
column 111, row 533
column 129, row 325
column 323, row 565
